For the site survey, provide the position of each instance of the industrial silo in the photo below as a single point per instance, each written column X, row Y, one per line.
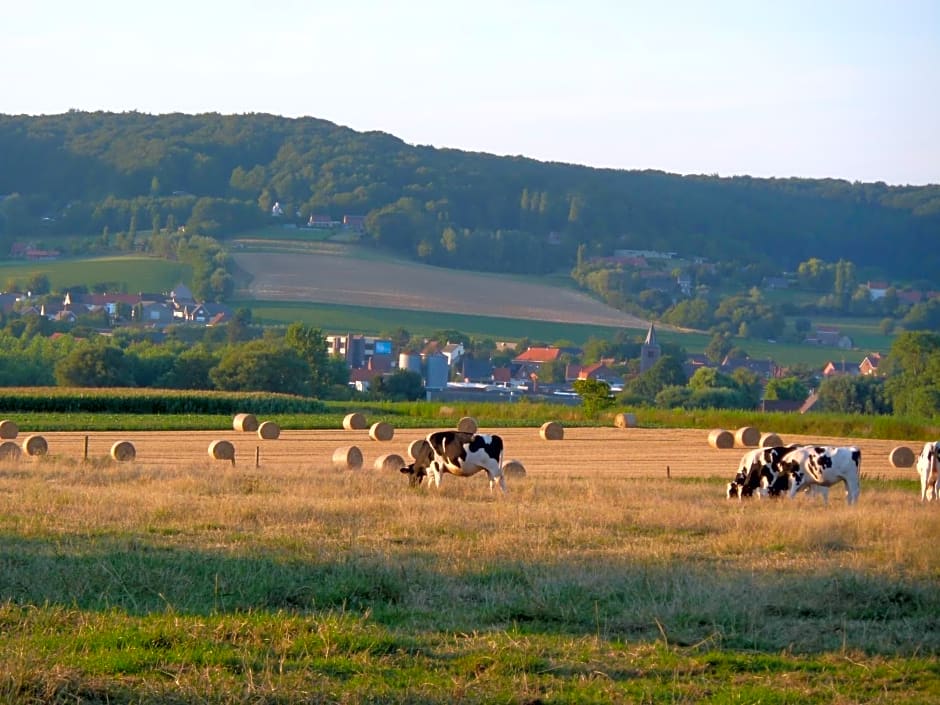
column 436, row 371
column 410, row 362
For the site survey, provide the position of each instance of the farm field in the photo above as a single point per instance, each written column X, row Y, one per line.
column 635, row 453
column 597, row 578
column 393, row 284
column 130, row 273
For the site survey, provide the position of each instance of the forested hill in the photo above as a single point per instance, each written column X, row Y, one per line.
column 82, row 173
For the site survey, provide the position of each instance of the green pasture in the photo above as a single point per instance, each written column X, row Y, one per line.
column 373, row 321
column 128, row 273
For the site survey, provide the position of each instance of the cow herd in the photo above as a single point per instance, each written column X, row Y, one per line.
column 773, row 471
column 767, row 472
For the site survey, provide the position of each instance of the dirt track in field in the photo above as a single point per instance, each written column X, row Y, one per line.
column 345, row 279
column 584, row 452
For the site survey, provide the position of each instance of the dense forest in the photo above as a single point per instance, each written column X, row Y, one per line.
column 85, row 173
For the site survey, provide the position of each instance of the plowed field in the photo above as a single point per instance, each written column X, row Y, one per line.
column 345, row 279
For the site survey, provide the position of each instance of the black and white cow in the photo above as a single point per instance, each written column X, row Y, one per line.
column 928, row 471
column 458, row 453
column 758, row 469
column 809, row 467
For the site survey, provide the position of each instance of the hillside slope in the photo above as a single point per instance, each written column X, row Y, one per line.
column 220, row 175
column 343, row 278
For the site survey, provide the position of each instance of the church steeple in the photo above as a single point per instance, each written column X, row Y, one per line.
column 650, row 352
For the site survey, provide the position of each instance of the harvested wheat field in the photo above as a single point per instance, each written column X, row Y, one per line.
column 584, row 452
column 343, row 278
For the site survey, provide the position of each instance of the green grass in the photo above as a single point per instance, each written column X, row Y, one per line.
column 373, row 321
column 129, row 273
column 202, row 591
column 137, row 273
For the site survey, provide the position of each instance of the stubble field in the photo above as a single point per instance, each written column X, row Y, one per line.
column 343, row 278
column 583, row 453
column 597, row 578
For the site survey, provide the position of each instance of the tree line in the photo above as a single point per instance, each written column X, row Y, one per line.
column 218, row 175
column 240, row 356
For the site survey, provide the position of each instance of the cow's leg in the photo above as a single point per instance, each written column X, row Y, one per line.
column 435, row 475
column 852, row 491
column 497, row 479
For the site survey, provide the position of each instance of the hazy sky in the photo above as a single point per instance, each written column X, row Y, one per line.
column 814, row 88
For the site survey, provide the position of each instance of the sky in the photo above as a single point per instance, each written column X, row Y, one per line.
column 806, row 88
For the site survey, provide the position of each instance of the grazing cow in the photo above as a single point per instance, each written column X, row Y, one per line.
column 758, row 470
column 458, row 453
column 814, row 466
column 929, row 475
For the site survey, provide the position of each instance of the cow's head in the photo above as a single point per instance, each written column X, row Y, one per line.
column 418, row 469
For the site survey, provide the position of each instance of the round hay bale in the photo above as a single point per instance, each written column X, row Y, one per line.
column 348, row 458
column 9, row 451
column 552, row 431
column 222, row 450
column 269, row 431
column 901, row 457
column 8, row 429
column 355, row 422
column 245, row 422
column 35, row 445
column 625, row 420
column 381, row 431
column 769, row 440
column 390, row 462
column 123, row 451
column 720, row 438
column 747, row 437
column 467, row 424
column 417, row 447
column 513, row 468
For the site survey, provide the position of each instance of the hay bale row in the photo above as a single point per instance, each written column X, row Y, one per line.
column 625, row 420
column 390, row 462
column 8, row 429
column 467, row 424
column 222, row 450
column 123, row 451
column 381, row 431
column 769, row 440
column 721, row 439
column 355, row 422
column 347, row 458
column 269, row 431
column 417, row 447
column 35, row 445
column 747, row 437
column 552, row 431
column 901, row 457
column 247, row 423
column 9, row 451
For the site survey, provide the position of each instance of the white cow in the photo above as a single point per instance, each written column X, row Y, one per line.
column 929, row 475
column 816, row 466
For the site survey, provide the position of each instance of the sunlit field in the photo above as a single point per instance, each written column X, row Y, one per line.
column 613, row 571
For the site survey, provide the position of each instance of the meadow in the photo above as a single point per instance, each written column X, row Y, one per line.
column 129, row 273
column 613, row 571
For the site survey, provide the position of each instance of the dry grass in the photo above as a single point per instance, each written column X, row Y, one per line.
column 595, row 554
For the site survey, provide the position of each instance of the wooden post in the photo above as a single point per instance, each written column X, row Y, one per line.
column 668, row 476
column 257, row 456
column 85, row 454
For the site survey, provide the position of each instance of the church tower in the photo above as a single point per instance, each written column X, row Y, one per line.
column 650, row 352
